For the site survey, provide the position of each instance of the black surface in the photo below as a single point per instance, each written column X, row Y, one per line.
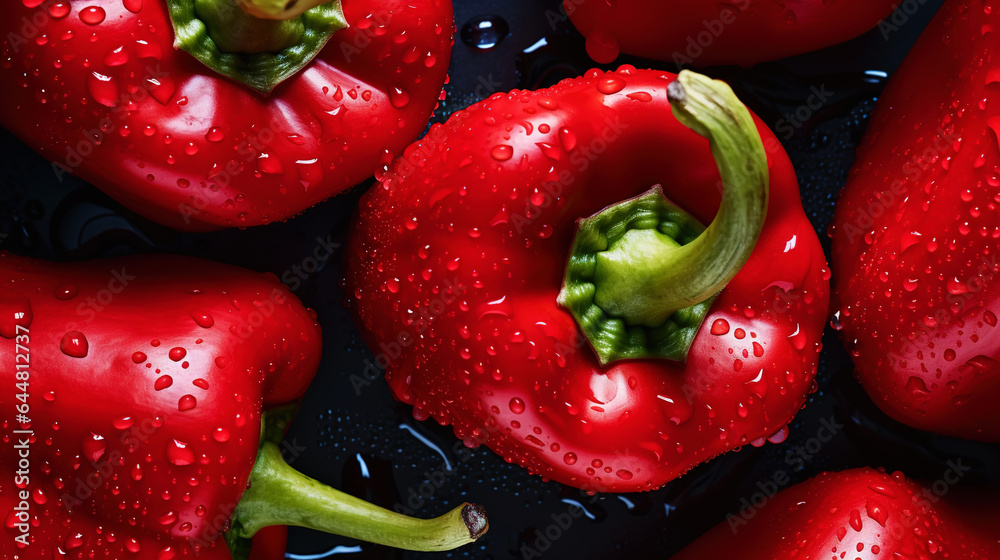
column 340, row 435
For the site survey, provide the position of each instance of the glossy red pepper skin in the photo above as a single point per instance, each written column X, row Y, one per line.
column 196, row 151
column 706, row 32
column 270, row 543
column 915, row 235
column 868, row 514
column 162, row 415
column 456, row 258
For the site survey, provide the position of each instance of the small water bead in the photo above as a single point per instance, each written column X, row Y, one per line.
column 640, row 96
column 94, row 447
column 92, row 15
column 720, row 327
column 399, row 97
column 74, row 344
column 990, row 318
column 74, row 540
column 116, row 57
column 484, row 32
column 266, row 163
column 163, row 382
column 187, row 402
column 502, row 152
column 66, row 292
column 203, row 319
column 215, row 135
column 610, row 84
column 179, row 453
column 567, row 139
column 58, row 10
column 145, row 49
column 103, row 89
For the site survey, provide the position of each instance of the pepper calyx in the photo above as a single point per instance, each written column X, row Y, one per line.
column 260, row 53
column 650, row 220
column 642, row 274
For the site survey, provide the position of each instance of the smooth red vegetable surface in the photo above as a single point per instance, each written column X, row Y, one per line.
column 915, row 239
column 147, row 379
column 860, row 514
column 455, row 261
column 706, row 32
column 270, row 543
column 99, row 89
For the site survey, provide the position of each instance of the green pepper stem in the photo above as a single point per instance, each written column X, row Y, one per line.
column 236, row 31
column 277, row 9
column 280, row 495
column 636, row 265
column 647, row 277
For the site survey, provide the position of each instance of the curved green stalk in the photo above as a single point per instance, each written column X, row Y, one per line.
column 280, row 495
column 642, row 272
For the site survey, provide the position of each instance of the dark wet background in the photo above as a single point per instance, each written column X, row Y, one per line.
column 370, row 445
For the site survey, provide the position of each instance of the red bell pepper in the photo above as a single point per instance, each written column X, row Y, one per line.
column 255, row 123
column 915, row 237
column 706, row 32
column 863, row 513
column 457, row 259
column 132, row 406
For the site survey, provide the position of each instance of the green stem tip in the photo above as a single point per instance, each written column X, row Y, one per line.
column 280, row 495
column 642, row 273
